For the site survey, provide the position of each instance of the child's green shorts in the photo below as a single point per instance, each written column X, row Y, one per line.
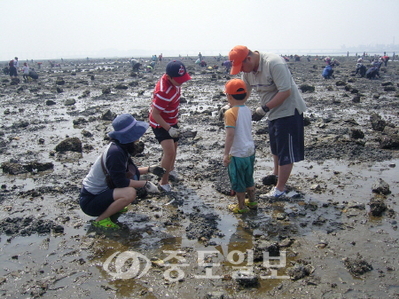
column 241, row 173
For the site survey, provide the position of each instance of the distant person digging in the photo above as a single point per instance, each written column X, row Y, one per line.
column 6, row 70
column 385, row 59
column 227, row 66
column 13, row 66
column 334, row 62
column 328, row 70
column 33, row 74
column 135, row 65
column 25, row 72
column 373, row 72
column 360, row 68
column 203, row 63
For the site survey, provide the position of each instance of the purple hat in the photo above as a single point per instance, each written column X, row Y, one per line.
column 127, row 129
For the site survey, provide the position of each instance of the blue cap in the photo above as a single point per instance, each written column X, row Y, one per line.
column 127, row 129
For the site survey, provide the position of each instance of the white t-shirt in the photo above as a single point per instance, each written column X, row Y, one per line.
column 25, row 69
column 240, row 118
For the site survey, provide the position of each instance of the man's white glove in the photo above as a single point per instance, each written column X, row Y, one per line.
column 151, row 188
column 259, row 113
column 157, row 170
column 173, row 132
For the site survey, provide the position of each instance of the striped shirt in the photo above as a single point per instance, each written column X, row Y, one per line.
column 166, row 98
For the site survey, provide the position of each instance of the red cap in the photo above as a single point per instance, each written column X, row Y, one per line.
column 237, row 55
column 235, row 86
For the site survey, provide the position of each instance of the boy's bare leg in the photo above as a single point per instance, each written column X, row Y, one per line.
column 169, row 148
column 251, row 193
column 241, row 200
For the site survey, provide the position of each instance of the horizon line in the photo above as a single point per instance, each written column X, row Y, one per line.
column 106, row 53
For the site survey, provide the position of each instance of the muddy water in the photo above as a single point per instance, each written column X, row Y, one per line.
column 326, row 220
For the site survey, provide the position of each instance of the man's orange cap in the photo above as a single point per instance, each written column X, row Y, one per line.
column 237, row 55
column 235, row 86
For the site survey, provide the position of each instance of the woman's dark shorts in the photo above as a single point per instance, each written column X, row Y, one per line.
column 95, row 205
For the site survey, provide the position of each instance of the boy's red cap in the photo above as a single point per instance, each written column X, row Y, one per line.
column 235, row 86
column 237, row 55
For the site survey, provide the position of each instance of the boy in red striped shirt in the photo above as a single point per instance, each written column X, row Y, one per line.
column 164, row 114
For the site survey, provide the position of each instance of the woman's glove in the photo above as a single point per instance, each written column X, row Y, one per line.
column 157, row 170
column 151, row 188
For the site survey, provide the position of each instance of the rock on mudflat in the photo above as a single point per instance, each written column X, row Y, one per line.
column 16, row 168
column 70, row 102
column 246, row 280
column 377, row 207
column 357, row 266
column 300, row 271
column 215, row 295
column 390, row 140
column 70, row 144
column 381, row 187
column 377, row 123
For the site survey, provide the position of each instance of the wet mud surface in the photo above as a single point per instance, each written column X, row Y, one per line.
column 333, row 236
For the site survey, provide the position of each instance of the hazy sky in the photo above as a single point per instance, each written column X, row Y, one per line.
column 34, row 29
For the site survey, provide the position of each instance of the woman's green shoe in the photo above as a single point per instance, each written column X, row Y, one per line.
column 106, row 223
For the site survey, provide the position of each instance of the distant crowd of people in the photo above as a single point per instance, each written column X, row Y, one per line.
column 370, row 71
column 13, row 67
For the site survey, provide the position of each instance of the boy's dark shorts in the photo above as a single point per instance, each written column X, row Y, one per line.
column 287, row 138
column 161, row 134
column 95, row 205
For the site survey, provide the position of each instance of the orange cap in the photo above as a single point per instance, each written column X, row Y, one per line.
column 237, row 55
column 235, row 86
